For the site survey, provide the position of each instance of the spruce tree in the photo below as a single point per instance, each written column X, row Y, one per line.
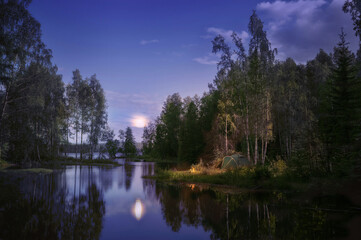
column 129, row 143
column 345, row 96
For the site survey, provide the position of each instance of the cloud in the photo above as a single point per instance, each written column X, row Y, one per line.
column 213, row 31
column 298, row 29
column 206, row 60
column 132, row 100
column 145, row 42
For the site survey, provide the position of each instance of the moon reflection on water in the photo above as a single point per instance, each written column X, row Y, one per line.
column 138, row 209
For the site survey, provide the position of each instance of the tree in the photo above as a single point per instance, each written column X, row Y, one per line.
column 342, row 120
column 129, row 148
column 36, row 116
column 190, row 137
column 73, row 95
column 261, row 58
column 98, row 115
column 85, row 101
column 21, row 48
column 148, row 137
column 171, row 118
column 20, row 41
column 111, row 144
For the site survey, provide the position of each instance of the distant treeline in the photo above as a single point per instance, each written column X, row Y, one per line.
column 38, row 113
column 72, row 148
column 306, row 114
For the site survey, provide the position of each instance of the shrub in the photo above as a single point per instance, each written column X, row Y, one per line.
column 278, row 167
column 261, row 172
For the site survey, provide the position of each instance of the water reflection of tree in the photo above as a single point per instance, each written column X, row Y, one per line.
column 47, row 212
column 247, row 215
column 106, row 178
column 129, row 170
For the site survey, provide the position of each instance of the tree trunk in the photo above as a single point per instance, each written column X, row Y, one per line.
column 4, row 106
column 38, row 152
column 226, row 136
column 91, row 139
column 256, row 145
column 262, row 149
column 247, row 137
column 76, row 143
column 81, row 143
column 265, row 151
column 67, row 137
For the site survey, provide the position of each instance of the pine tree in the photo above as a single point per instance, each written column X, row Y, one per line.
column 345, row 96
column 129, row 143
column 340, row 122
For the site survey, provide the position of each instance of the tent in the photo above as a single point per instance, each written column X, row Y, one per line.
column 234, row 161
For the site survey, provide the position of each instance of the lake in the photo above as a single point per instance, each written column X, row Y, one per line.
column 93, row 202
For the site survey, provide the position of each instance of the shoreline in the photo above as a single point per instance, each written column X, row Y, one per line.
column 236, row 182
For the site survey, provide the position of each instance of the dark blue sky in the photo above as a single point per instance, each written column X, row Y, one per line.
column 144, row 50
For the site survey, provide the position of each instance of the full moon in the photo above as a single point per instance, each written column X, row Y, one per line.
column 139, row 121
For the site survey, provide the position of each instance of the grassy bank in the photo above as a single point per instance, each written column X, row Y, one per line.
column 4, row 164
column 272, row 177
column 27, row 171
column 241, row 178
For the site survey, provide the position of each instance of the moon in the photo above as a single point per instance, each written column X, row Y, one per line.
column 139, row 121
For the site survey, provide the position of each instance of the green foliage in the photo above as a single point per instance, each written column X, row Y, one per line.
column 112, row 147
column 36, row 118
column 129, row 148
column 3, row 150
column 190, row 137
column 111, row 144
column 340, row 112
column 278, row 168
column 262, row 172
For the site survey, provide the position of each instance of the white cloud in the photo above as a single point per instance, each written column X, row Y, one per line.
column 206, row 60
column 213, row 31
column 145, row 42
column 298, row 29
column 121, row 99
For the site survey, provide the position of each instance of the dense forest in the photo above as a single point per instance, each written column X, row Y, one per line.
column 40, row 115
column 305, row 115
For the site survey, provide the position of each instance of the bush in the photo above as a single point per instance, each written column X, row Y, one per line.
column 278, row 167
column 261, row 172
column 3, row 150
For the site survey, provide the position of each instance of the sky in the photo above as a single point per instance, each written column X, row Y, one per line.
column 144, row 50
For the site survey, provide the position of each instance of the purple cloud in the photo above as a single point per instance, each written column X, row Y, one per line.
column 298, row 29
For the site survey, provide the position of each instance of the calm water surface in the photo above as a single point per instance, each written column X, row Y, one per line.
column 83, row 202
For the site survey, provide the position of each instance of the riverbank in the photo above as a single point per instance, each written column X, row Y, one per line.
column 26, row 171
column 235, row 178
column 257, row 178
column 58, row 163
